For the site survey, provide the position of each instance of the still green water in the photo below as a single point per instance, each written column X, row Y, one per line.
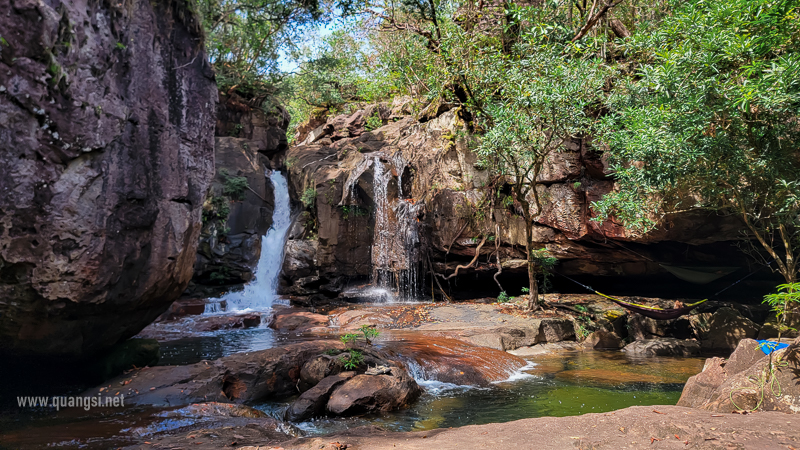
column 562, row 384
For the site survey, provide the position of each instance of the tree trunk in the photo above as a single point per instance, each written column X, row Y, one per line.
column 533, row 295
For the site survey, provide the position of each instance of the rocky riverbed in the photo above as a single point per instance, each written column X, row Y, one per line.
column 432, row 365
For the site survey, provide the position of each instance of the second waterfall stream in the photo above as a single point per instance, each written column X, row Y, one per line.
column 260, row 293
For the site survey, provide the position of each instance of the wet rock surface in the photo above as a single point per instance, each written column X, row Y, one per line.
column 110, row 112
column 237, row 378
column 749, row 381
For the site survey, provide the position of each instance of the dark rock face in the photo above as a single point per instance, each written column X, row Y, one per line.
column 107, row 138
column 248, row 142
column 749, row 380
column 725, row 329
column 127, row 355
column 663, row 347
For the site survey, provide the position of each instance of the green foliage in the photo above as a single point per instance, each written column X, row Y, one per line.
column 786, row 299
column 351, row 211
column 309, row 197
column 245, row 37
column 121, row 46
column 349, row 338
column 366, row 331
column 236, row 130
column 216, row 208
column 352, row 360
column 709, row 120
column 332, row 351
column 233, row 187
column 369, row 333
column 504, row 297
column 373, row 122
column 341, row 69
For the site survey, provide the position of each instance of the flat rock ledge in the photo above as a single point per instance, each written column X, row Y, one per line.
column 637, row 427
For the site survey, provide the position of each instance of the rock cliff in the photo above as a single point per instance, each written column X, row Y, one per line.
column 385, row 189
column 107, row 112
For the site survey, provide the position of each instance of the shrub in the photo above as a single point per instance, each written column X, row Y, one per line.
column 308, row 197
column 354, row 359
column 786, row 299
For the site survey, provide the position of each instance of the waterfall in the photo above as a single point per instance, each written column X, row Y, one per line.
column 396, row 257
column 259, row 293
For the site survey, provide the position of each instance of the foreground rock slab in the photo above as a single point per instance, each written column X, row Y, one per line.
column 652, row 427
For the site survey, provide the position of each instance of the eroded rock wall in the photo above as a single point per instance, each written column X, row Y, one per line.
column 435, row 172
column 107, row 113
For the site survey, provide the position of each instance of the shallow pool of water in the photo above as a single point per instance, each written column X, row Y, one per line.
column 214, row 345
column 563, row 384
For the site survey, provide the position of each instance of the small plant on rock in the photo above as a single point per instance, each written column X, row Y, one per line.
column 352, row 360
column 349, row 339
column 784, row 301
column 369, row 333
column 504, row 297
column 308, row 197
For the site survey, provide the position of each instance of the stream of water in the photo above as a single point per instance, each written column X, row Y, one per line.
column 259, row 294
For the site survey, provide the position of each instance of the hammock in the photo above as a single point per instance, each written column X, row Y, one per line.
column 654, row 312
column 699, row 275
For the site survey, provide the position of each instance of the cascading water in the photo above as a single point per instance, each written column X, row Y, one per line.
column 260, row 293
column 395, row 249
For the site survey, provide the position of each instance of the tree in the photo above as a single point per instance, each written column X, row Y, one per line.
column 709, row 119
column 244, row 38
column 545, row 100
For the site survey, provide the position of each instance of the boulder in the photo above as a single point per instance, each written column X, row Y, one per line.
column 298, row 260
column 641, row 327
column 770, row 328
column 749, row 380
column 725, row 328
column 371, row 393
column 663, row 347
column 108, row 116
column 603, row 340
column 315, row 370
column 312, row 402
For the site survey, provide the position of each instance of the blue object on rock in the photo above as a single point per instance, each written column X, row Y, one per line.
column 770, row 346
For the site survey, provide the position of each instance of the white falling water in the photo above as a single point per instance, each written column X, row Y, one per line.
column 260, row 293
column 395, row 247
